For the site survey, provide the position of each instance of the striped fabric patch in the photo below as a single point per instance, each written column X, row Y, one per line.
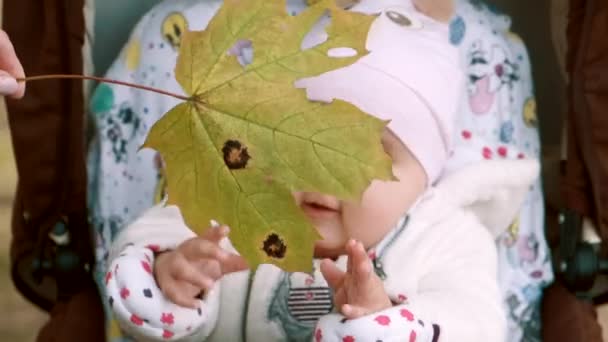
column 308, row 304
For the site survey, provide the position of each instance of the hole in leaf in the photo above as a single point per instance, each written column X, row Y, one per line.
column 274, row 246
column 398, row 18
column 411, row 22
column 243, row 50
column 342, row 52
column 235, row 154
column 318, row 34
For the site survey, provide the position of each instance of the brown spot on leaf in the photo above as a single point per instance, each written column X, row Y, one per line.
column 235, row 154
column 268, row 179
column 274, row 246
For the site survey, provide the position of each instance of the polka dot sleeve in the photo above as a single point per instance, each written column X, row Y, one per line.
column 143, row 311
column 395, row 324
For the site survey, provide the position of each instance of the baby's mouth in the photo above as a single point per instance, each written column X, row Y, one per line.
column 316, row 210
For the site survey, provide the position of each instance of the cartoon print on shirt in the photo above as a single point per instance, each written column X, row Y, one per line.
column 457, row 30
column 528, row 248
column 506, row 132
column 172, row 29
column 122, row 128
column 488, row 72
column 161, row 186
column 115, row 136
column 132, row 54
column 530, row 118
column 526, row 314
column 105, row 232
column 524, row 254
column 102, row 100
column 512, row 233
column 298, row 308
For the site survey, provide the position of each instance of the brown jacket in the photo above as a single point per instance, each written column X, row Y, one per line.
column 585, row 181
column 47, row 128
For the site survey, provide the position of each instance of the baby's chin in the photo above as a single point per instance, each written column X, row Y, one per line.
column 328, row 250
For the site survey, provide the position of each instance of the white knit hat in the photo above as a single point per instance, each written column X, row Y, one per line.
column 411, row 77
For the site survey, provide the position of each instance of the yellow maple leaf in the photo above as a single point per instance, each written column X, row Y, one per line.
column 247, row 138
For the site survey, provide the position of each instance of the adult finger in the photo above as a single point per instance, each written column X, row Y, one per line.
column 13, row 68
column 9, row 86
column 332, row 274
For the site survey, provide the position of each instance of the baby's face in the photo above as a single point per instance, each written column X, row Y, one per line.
column 381, row 206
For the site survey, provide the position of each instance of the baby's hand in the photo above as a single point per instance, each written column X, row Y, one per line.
column 196, row 264
column 358, row 291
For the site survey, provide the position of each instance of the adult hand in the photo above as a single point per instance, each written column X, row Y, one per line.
column 10, row 69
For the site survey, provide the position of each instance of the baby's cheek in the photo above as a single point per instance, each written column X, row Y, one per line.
column 365, row 224
column 381, row 207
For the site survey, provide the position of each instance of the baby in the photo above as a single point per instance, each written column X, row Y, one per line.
column 414, row 260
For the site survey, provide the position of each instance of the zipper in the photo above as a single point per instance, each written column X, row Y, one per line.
column 246, row 312
column 384, row 246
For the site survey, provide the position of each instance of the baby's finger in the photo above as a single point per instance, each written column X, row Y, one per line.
column 183, row 270
column 332, row 274
column 179, row 296
column 349, row 252
column 211, row 268
column 352, row 311
column 361, row 265
column 233, row 263
column 199, row 248
column 216, row 234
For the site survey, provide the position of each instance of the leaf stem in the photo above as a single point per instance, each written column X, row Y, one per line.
column 104, row 80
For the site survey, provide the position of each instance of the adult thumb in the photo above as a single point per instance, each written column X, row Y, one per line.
column 10, row 87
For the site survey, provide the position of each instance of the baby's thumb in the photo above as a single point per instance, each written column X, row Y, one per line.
column 9, row 85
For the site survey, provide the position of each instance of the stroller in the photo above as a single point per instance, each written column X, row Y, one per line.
column 51, row 199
